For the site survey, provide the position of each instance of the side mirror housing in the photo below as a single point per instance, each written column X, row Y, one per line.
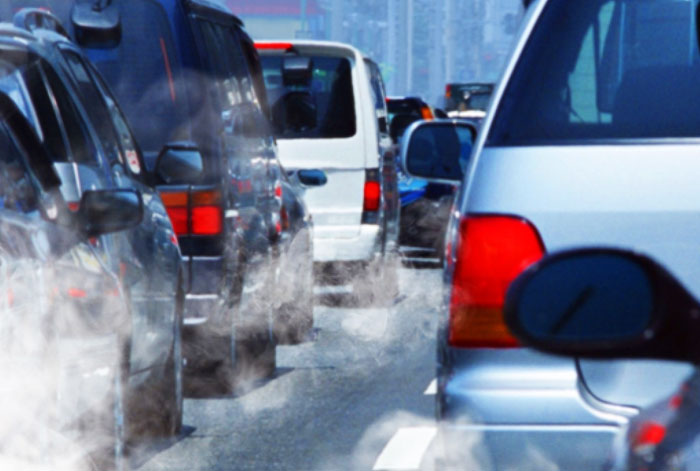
column 603, row 303
column 106, row 211
column 97, row 26
column 179, row 162
column 437, row 151
column 312, row 177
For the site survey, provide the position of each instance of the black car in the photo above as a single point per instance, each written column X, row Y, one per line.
column 65, row 322
column 187, row 71
column 461, row 99
column 92, row 148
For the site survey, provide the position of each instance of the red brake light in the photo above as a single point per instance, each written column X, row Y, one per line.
column 448, row 91
column 77, row 293
column 74, row 206
column 278, row 190
column 426, row 113
column 206, row 220
column 178, row 218
column 373, row 194
column 648, row 435
column 268, row 46
column 176, row 206
column 492, row 252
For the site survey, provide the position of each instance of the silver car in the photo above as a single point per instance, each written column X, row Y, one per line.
column 591, row 140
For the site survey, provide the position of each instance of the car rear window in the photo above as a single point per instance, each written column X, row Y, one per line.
column 330, row 92
column 604, row 69
column 403, row 106
column 146, row 76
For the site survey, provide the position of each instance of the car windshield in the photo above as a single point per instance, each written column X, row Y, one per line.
column 328, row 96
column 605, row 69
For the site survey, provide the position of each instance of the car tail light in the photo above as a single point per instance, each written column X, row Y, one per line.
column 274, row 46
column 198, row 213
column 373, row 191
column 373, row 194
column 278, row 190
column 426, row 113
column 176, row 205
column 448, row 91
column 207, row 216
column 647, row 436
column 206, row 220
column 492, row 251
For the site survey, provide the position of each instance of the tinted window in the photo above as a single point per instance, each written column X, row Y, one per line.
column 94, row 105
column 49, row 125
column 17, row 192
column 330, row 94
column 146, row 75
column 605, row 69
column 80, row 143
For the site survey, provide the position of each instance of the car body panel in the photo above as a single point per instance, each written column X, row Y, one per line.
column 337, row 207
column 633, row 193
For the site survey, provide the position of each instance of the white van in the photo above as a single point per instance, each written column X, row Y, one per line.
column 328, row 112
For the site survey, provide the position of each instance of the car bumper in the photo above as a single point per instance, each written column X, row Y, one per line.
column 523, row 447
column 362, row 247
column 520, row 409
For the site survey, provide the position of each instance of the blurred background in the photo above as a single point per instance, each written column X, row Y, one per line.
column 448, row 40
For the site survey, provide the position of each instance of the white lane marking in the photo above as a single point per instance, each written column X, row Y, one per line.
column 432, row 388
column 406, row 449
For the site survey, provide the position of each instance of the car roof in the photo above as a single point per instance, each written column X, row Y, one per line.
column 214, row 7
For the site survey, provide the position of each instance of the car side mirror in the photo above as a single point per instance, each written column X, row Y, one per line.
column 437, row 151
column 603, row 303
column 312, row 177
column 106, row 211
column 97, row 24
column 179, row 162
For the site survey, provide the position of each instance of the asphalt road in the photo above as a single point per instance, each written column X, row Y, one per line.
column 355, row 397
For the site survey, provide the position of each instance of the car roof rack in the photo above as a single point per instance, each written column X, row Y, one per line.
column 31, row 19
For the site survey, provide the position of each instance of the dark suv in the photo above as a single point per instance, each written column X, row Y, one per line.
column 91, row 146
column 66, row 321
column 186, row 71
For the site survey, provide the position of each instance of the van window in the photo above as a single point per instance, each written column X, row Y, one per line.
column 604, row 69
column 330, row 94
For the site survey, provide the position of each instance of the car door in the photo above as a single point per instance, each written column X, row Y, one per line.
column 152, row 273
column 55, row 323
